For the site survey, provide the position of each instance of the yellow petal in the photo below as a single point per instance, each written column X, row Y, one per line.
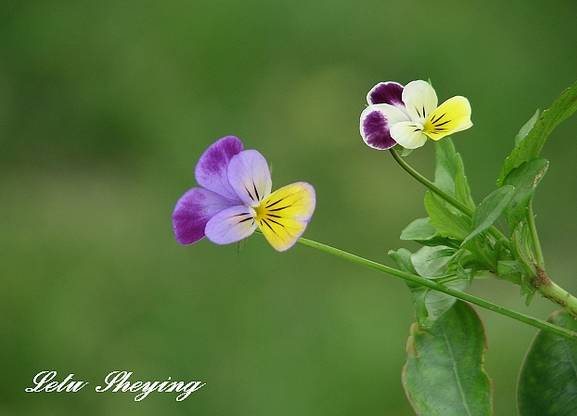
column 283, row 216
column 450, row 117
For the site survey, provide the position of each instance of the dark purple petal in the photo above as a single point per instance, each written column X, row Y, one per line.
column 386, row 93
column 211, row 169
column 375, row 130
column 193, row 210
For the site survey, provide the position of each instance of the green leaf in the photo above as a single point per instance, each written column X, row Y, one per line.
column 510, row 270
column 530, row 147
column 450, row 172
column 525, row 179
column 527, row 127
column 437, row 303
column 431, row 262
column 419, row 230
column 402, row 258
column 490, row 209
column 447, row 220
column 548, row 380
column 444, row 373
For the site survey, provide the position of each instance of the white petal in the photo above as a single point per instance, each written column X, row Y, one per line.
column 231, row 225
column 420, row 100
column 375, row 125
column 408, row 134
column 249, row 176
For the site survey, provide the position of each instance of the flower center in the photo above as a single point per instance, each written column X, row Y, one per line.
column 260, row 211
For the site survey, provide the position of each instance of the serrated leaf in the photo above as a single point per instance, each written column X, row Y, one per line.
column 527, row 127
column 450, row 172
column 489, row 210
column 548, row 380
column 530, row 147
column 447, row 220
column 432, row 262
column 525, row 179
column 444, row 373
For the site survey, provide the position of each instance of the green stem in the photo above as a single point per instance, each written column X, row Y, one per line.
column 552, row 291
column 434, row 188
column 431, row 284
column 535, row 236
column 415, row 174
column 557, row 294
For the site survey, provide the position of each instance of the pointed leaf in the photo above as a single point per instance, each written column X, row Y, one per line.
column 490, row 209
column 448, row 221
column 525, row 179
column 530, row 147
column 432, row 262
column 450, row 172
column 437, row 303
column 419, row 230
column 444, row 373
column 548, row 380
column 527, row 127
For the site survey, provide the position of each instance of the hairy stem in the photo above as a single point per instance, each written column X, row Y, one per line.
column 431, row 284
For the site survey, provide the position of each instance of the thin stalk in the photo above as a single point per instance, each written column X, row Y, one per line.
column 431, row 284
column 535, row 236
column 415, row 174
column 449, row 198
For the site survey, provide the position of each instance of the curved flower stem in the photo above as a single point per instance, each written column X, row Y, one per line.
column 431, row 284
column 535, row 236
column 415, row 174
column 450, row 199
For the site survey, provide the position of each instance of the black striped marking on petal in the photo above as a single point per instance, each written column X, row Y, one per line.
column 438, row 118
column 255, row 191
column 442, row 124
column 268, row 225
column 249, row 194
column 277, row 223
column 281, row 208
column 272, row 204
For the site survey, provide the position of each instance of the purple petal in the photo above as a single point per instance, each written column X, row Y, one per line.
column 231, row 225
column 211, row 169
column 375, row 124
column 249, row 176
column 386, row 93
column 193, row 210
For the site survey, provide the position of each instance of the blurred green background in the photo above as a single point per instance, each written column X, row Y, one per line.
column 105, row 107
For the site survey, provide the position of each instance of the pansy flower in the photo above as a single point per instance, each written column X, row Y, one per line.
column 234, row 198
column 409, row 115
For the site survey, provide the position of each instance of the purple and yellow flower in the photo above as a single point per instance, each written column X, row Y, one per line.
column 234, row 199
column 409, row 115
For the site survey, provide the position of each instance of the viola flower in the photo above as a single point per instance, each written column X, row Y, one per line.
column 409, row 115
column 234, row 199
